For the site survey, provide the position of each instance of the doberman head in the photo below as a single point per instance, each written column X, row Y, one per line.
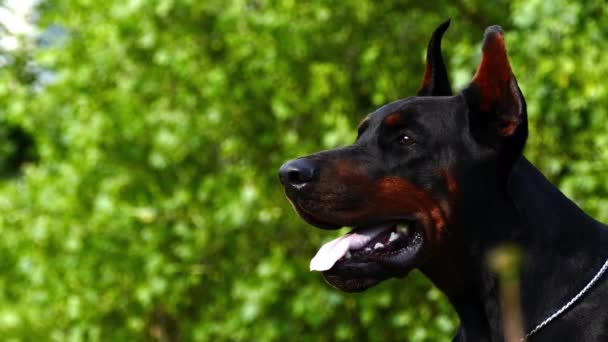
column 418, row 175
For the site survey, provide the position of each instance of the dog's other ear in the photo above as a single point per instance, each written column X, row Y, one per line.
column 497, row 109
column 435, row 81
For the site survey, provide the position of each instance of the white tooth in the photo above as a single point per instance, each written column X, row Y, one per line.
column 378, row 245
column 367, row 249
column 348, row 255
column 394, row 236
column 402, row 229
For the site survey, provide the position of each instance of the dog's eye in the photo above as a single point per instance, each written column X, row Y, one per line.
column 406, row 140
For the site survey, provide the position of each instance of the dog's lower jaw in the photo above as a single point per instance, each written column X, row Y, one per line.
column 349, row 284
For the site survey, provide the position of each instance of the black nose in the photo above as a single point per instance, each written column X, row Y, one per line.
column 298, row 172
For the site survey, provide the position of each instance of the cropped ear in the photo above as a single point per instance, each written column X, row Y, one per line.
column 435, row 81
column 497, row 109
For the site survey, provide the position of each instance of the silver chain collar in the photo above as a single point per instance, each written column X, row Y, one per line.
column 570, row 303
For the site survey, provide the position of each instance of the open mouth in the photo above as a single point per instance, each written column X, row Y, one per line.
column 396, row 242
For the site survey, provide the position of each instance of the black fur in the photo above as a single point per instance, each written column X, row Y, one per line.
column 452, row 168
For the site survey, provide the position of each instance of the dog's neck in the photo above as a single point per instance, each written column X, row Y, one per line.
column 550, row 230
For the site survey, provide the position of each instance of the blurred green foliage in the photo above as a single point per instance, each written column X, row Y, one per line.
column 152, row 208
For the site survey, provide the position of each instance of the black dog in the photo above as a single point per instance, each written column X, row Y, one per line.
column 436, row 181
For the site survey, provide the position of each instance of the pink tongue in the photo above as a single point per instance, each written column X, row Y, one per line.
column 332, row 251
